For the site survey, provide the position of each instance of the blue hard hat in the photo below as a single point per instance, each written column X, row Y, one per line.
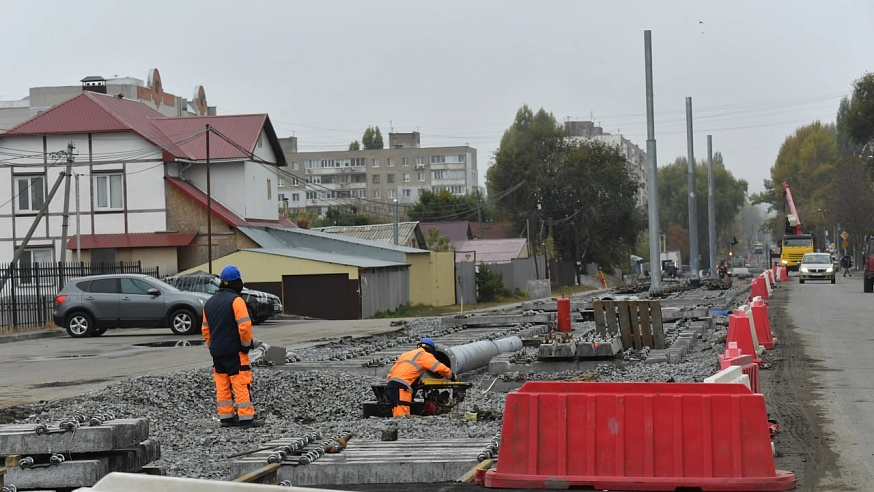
column 427, row 341
column 229, row 273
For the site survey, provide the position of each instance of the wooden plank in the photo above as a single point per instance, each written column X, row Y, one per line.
column 645, row 323
column 658, row 330
column 600, row 320
column 610, row 317
column 265, row 475
column 626, row 329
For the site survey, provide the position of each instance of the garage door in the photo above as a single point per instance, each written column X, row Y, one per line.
column 331, row 296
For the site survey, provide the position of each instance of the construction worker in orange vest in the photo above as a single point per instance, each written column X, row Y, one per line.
column 409, row 367
column 227, row 330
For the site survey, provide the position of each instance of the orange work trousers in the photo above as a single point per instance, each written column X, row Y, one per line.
column 403, row 408
column 232, row 392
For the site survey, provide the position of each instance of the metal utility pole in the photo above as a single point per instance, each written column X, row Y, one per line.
column 208, row 205
column 396, row 221
column 78, row 229
column 693, row 201
column 711, row 208
column 39, row 216
column 655, row 272
column 65, row 224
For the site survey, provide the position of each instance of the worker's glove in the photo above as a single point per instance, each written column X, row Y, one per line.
column 453, row 377
column 245, row 348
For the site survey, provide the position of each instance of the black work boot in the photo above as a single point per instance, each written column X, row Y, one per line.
column 229, row 422
column 245, row 424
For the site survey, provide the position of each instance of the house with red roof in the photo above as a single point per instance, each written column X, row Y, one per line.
column 140, row 188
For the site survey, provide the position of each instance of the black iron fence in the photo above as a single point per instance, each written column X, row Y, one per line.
column 27, row 298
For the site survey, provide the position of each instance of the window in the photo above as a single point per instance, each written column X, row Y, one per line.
column 376, row 179
column 104, row 286
column 437, row 159
column 30, row 193
column 420, row 162
column 421, row 176
column 311, row 195
column 391, row 193
column 359, row 161
column 280, row 197
column 405, row 161
column 406, row 177
column 406, row 192
column 295, row 197
column 295, row 166
column 280, row 182
column 390, row 162
column 28, row 272
column 376, row 194
column 135, row 286
column 390, row 178
column 375, row 162
column 295, row 182
column 108, row 191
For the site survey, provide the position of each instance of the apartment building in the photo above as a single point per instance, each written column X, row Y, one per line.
column 635, row 157
column 372, row 180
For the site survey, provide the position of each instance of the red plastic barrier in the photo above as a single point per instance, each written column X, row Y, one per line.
column 740, row 331
column 774, row 271
column 784, row 274
column 748, row 366
column 758, row 288
column 636, row 436
column 564, row 314
column 763, row 323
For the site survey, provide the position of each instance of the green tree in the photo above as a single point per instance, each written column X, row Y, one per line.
column 852, row 201
column 729, row 196
column 846, row 145
column 436, row 242
column 489, row 284
column 355, row 145
column 444, row 206
column 806, row 162
column 345, row 217
column 372, row 138
column 859, row 117
column 579, row 193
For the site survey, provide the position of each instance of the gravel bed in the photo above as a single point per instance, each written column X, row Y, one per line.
column 181, row 407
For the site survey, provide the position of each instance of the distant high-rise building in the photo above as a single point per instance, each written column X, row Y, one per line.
column 371, row 180
column 635, row 157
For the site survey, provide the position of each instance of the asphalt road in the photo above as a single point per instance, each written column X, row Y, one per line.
column 59, row 367
column 834, row 324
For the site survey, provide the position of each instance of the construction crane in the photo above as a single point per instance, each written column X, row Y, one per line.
column 795, row 242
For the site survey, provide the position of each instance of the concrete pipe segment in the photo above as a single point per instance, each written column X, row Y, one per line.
column 470, row 356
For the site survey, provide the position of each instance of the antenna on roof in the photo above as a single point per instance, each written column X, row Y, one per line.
column 391, row 127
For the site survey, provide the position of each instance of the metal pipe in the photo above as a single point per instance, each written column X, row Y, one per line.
column 474, row 355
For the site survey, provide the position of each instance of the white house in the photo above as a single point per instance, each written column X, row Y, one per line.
column 140, row 184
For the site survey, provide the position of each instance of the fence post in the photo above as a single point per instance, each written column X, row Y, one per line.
column 14, row 277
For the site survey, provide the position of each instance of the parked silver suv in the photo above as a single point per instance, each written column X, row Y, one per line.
column 88, row 306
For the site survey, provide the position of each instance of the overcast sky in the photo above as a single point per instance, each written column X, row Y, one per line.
column 457, row 71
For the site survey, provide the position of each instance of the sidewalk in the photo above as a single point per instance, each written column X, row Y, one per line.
column 17, row 336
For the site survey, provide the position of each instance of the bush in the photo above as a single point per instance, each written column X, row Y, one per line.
column 489, row 285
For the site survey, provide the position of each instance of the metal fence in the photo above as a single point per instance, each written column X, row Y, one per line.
column 27, row 298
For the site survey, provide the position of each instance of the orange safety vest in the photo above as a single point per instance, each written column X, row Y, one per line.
column 411, row 365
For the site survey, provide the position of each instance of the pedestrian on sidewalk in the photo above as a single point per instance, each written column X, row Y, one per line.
column 846, row 264
column 227, row 330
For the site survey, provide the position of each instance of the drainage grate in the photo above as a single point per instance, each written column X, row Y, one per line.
column 178, row 343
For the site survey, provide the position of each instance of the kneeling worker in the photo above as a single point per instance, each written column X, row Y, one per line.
column 409, row 367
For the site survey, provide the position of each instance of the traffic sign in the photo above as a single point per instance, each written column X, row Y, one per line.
column 846, row 244
column 844, row 235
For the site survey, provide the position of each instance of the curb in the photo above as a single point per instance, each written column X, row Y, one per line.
column 30, row 335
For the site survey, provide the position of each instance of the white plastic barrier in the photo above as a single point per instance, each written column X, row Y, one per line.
column 731, row 374
column 768, row 285
column 748, row 312
column 135, row 482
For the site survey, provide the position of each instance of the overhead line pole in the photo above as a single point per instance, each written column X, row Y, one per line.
column 208, row 205
column 655, row 274
column 65, row 223
column 711, row 208
column 690, row 188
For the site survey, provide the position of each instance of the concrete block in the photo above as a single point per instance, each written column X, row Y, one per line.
column 609, row 348
column 112, row 434
column 564, row 349
column 499, row 320
column 366, row 462
column 69, row 474
column 674, row 356
column 276, row 355
column 656, row 357
column 546, row 350
column 499, row 364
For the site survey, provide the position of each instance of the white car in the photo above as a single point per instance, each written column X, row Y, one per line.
column 816, row 266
